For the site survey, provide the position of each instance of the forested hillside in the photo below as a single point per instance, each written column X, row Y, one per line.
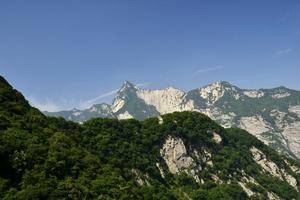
column 176, row 156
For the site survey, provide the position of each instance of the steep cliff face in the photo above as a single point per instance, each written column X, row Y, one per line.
column 179, row 160
column 272, row 115
column 167, row 100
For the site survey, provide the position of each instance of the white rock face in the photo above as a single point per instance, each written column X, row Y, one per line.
column 246, row 190
column 255, row 125
column 167, row 100
column 177, row 159
column 203, row 157
column 293, row 167
column 225, row 119
column 161, row 171
column 101, row 109
column 248, row 179
column 281, row 95
column 292, row 135
column 254, row 93
column 216, row 114
column 217, row 138
column 270, row 167
column 93, row 109
column 117, row 105
column 216, row 179
column 160, row 120
column 289, row 129
column 212, row 93
column 290, row 179
column 279, row 116
column 295, row 109
column 272, row 196
column 125, row 115
column 237, row 96
column 77, row 113
column 175, row 155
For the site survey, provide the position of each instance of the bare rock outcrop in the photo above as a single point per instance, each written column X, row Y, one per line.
column 270, row 167
column 178, row 160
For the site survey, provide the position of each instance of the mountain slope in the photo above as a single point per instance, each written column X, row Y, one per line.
column 178, row 156
column 272, row 115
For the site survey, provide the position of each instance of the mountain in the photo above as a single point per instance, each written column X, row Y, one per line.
column 76, row 115
column 183, row 155
column 272, row 115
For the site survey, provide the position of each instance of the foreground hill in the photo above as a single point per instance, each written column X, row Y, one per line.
column 272, row 115
column 176, row 156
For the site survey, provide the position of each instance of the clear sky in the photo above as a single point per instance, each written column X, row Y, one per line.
column 63, row 53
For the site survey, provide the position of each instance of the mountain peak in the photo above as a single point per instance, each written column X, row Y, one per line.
column 127, row 86
column 225, row 83
column 218, row 85
column 283, row 88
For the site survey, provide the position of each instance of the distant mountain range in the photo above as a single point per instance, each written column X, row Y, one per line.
column 272, row 115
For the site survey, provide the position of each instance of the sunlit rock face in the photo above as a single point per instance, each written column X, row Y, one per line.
column 175, row 154
column 179, row 160
column 167, row 100
column 253, row 93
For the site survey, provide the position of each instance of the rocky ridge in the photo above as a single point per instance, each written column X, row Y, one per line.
column 272, row 115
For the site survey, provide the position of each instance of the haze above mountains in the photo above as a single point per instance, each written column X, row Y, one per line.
column 272, row 115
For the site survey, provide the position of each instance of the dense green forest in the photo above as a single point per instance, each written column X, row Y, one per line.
column 51, row 158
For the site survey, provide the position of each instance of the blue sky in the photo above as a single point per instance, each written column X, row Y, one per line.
column 63, row 54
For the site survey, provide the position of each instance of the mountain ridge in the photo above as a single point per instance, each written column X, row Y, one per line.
column 272, row 115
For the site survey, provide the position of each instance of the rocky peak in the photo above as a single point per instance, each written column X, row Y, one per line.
column 212, row 93
column 221, row 84
column 225, row 84
column 127, row 86
column 127, row 91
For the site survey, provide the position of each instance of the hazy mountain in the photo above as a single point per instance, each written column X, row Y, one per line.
column 183, row 155
column 98, row 110
column 272, row 115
